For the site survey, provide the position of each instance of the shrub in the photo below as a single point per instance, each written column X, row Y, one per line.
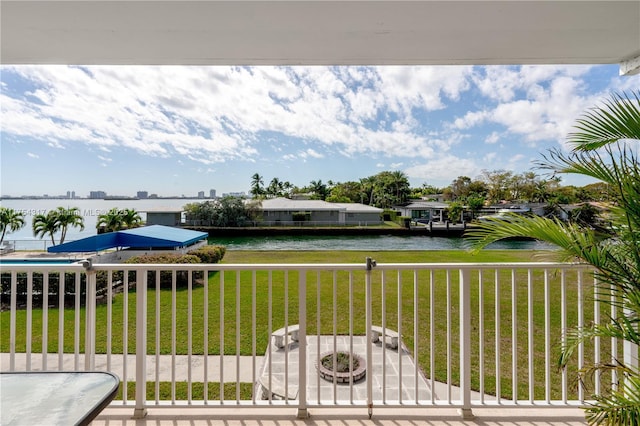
column 165, row 276
column 209, row 254
column 390, row 215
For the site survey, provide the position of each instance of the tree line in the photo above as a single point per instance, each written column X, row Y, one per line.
column 390, row 188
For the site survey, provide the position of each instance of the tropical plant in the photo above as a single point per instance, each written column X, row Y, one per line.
column 10, row 221
column 605, row 142
column 110, row 221
column 118, row 219
column 130, row 218
column 66, row 218
column 257, row 185
column 45, row 224
column 454, row 211
column 58, row 220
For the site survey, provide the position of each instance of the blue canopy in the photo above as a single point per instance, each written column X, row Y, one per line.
column 143, row 237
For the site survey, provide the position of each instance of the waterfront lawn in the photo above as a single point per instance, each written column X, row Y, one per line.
column 327, row 299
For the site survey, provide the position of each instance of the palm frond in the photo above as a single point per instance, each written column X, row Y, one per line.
column 617, row 118
column 574, row 242
column 618, row 407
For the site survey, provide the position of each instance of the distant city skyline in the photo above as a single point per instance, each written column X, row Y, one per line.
column 170, row 129
column 142, row 195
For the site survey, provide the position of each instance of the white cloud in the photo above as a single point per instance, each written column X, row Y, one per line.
column 444, row 169
column 383, row 115
column 493, row 138
column 32, row 155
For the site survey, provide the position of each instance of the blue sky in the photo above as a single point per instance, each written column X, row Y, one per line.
column 179, row 130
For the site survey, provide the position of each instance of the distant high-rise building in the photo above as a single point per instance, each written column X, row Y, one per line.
column 234, row 194
column 73, row 195
column 69, row 194
column 200, row 194
column 212, row 193
column 97, row 195
column 142, row 195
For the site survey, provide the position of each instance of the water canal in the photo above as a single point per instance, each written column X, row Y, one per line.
column 369, row 243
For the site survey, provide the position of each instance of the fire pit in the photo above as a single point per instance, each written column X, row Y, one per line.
column 342, row 369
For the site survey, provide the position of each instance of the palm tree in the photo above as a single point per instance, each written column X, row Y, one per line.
column 130, row 218
column 257, row 185
column 10, row 220
column 602, row 149
column 45, row 224
column 66, row 218
column 111, row 221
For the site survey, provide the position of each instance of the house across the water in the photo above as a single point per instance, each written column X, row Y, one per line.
column 283, row 211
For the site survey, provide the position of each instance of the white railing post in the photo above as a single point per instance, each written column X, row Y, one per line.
column 630, row 350
column 90, row 317
column 141, row 343
column 369, row 319
column 465, row 344
column 302, row 345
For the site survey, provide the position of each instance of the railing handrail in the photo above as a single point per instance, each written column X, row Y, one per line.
column 456, row 280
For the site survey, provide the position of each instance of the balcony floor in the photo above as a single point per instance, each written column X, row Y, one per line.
column 329, row 417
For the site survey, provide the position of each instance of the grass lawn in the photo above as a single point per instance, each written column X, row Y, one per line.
column 327, row 298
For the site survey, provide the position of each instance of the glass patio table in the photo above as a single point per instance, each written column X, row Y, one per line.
column 55, row 398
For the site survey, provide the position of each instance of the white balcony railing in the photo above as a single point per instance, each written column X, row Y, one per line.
column 469, row 335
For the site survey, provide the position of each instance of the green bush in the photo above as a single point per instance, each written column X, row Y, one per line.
column 209, row 254
column 390, row 215
column 165, row 276
column 164, row 258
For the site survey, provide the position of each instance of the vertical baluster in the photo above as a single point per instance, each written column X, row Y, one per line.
column 174, row 320
column 384, row 346
column 614, row 340
column 547, row 334
column 530, row 333
column 61, row 298
column 318, row 333
column 302, row 347
column 238, row 334
column 416, row 381
column 189, row 336
column 221, row 308
column 449, row 338
column 141, row 343
column 125, row 335
column 45, row 319
column 109, row 317
column 157, row 372
column 465, row 343
column 580, row 326
column 286, row 336
column 514, row 337
column 481, row 333
column 432, row 333
column 351, row 335
column 335, row 335
column 12, row 323
column 29, row 313
column 253, row 331
column 76, row 331
column 563, row 326
column 596, row 340
column 498, row 337
column 399, row 338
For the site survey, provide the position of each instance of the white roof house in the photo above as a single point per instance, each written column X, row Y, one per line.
column 284, row 210
column 431, row 210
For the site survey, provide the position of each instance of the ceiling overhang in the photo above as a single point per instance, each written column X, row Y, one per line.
column 308, row 32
